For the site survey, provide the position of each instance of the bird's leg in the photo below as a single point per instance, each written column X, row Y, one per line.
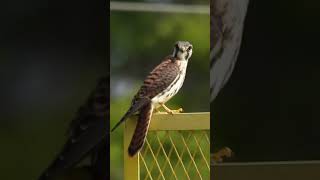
column 220, row 155
column 169, row 111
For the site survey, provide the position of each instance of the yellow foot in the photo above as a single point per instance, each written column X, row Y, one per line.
column 169, row 111
column 180, row 110
column 221, row 154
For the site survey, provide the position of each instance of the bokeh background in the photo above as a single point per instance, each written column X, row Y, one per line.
column 51, row 56
column 269, row 110
column 139, row 42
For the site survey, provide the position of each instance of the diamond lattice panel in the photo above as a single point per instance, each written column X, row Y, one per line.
column 176, row 155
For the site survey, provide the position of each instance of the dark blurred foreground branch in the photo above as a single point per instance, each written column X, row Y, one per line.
column 87, row 138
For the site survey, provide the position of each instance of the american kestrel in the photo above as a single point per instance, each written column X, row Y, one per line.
column 87, row 137
column 160, row 86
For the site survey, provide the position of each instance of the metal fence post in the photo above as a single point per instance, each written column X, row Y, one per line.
column 131, row 164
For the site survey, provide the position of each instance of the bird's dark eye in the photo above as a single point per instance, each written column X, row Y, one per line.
column 189, row 48
column 176, row 46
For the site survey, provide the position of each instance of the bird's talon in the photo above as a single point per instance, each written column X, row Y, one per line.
column 221, row 154
column 180, row 110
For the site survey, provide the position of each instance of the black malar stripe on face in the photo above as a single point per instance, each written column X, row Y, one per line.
column 187, row 56
column 176, row 50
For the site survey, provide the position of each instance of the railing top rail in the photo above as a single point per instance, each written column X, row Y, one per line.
column 268, row 163
column 180, row 121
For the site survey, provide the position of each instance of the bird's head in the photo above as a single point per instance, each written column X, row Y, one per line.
column 182, row 50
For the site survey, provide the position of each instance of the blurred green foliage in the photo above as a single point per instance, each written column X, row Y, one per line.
column 139, row 41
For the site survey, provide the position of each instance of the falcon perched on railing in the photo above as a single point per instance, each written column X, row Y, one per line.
column 160, row 86
column 87, row 137
column 226, row 24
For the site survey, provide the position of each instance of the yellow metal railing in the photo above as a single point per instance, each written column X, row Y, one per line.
column 177, row 147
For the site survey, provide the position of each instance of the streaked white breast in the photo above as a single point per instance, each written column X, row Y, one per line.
column 172, row 89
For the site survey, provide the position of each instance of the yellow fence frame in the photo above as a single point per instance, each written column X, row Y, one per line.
column 159, row 122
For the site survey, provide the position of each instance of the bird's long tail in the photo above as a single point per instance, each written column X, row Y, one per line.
column 141, row 130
